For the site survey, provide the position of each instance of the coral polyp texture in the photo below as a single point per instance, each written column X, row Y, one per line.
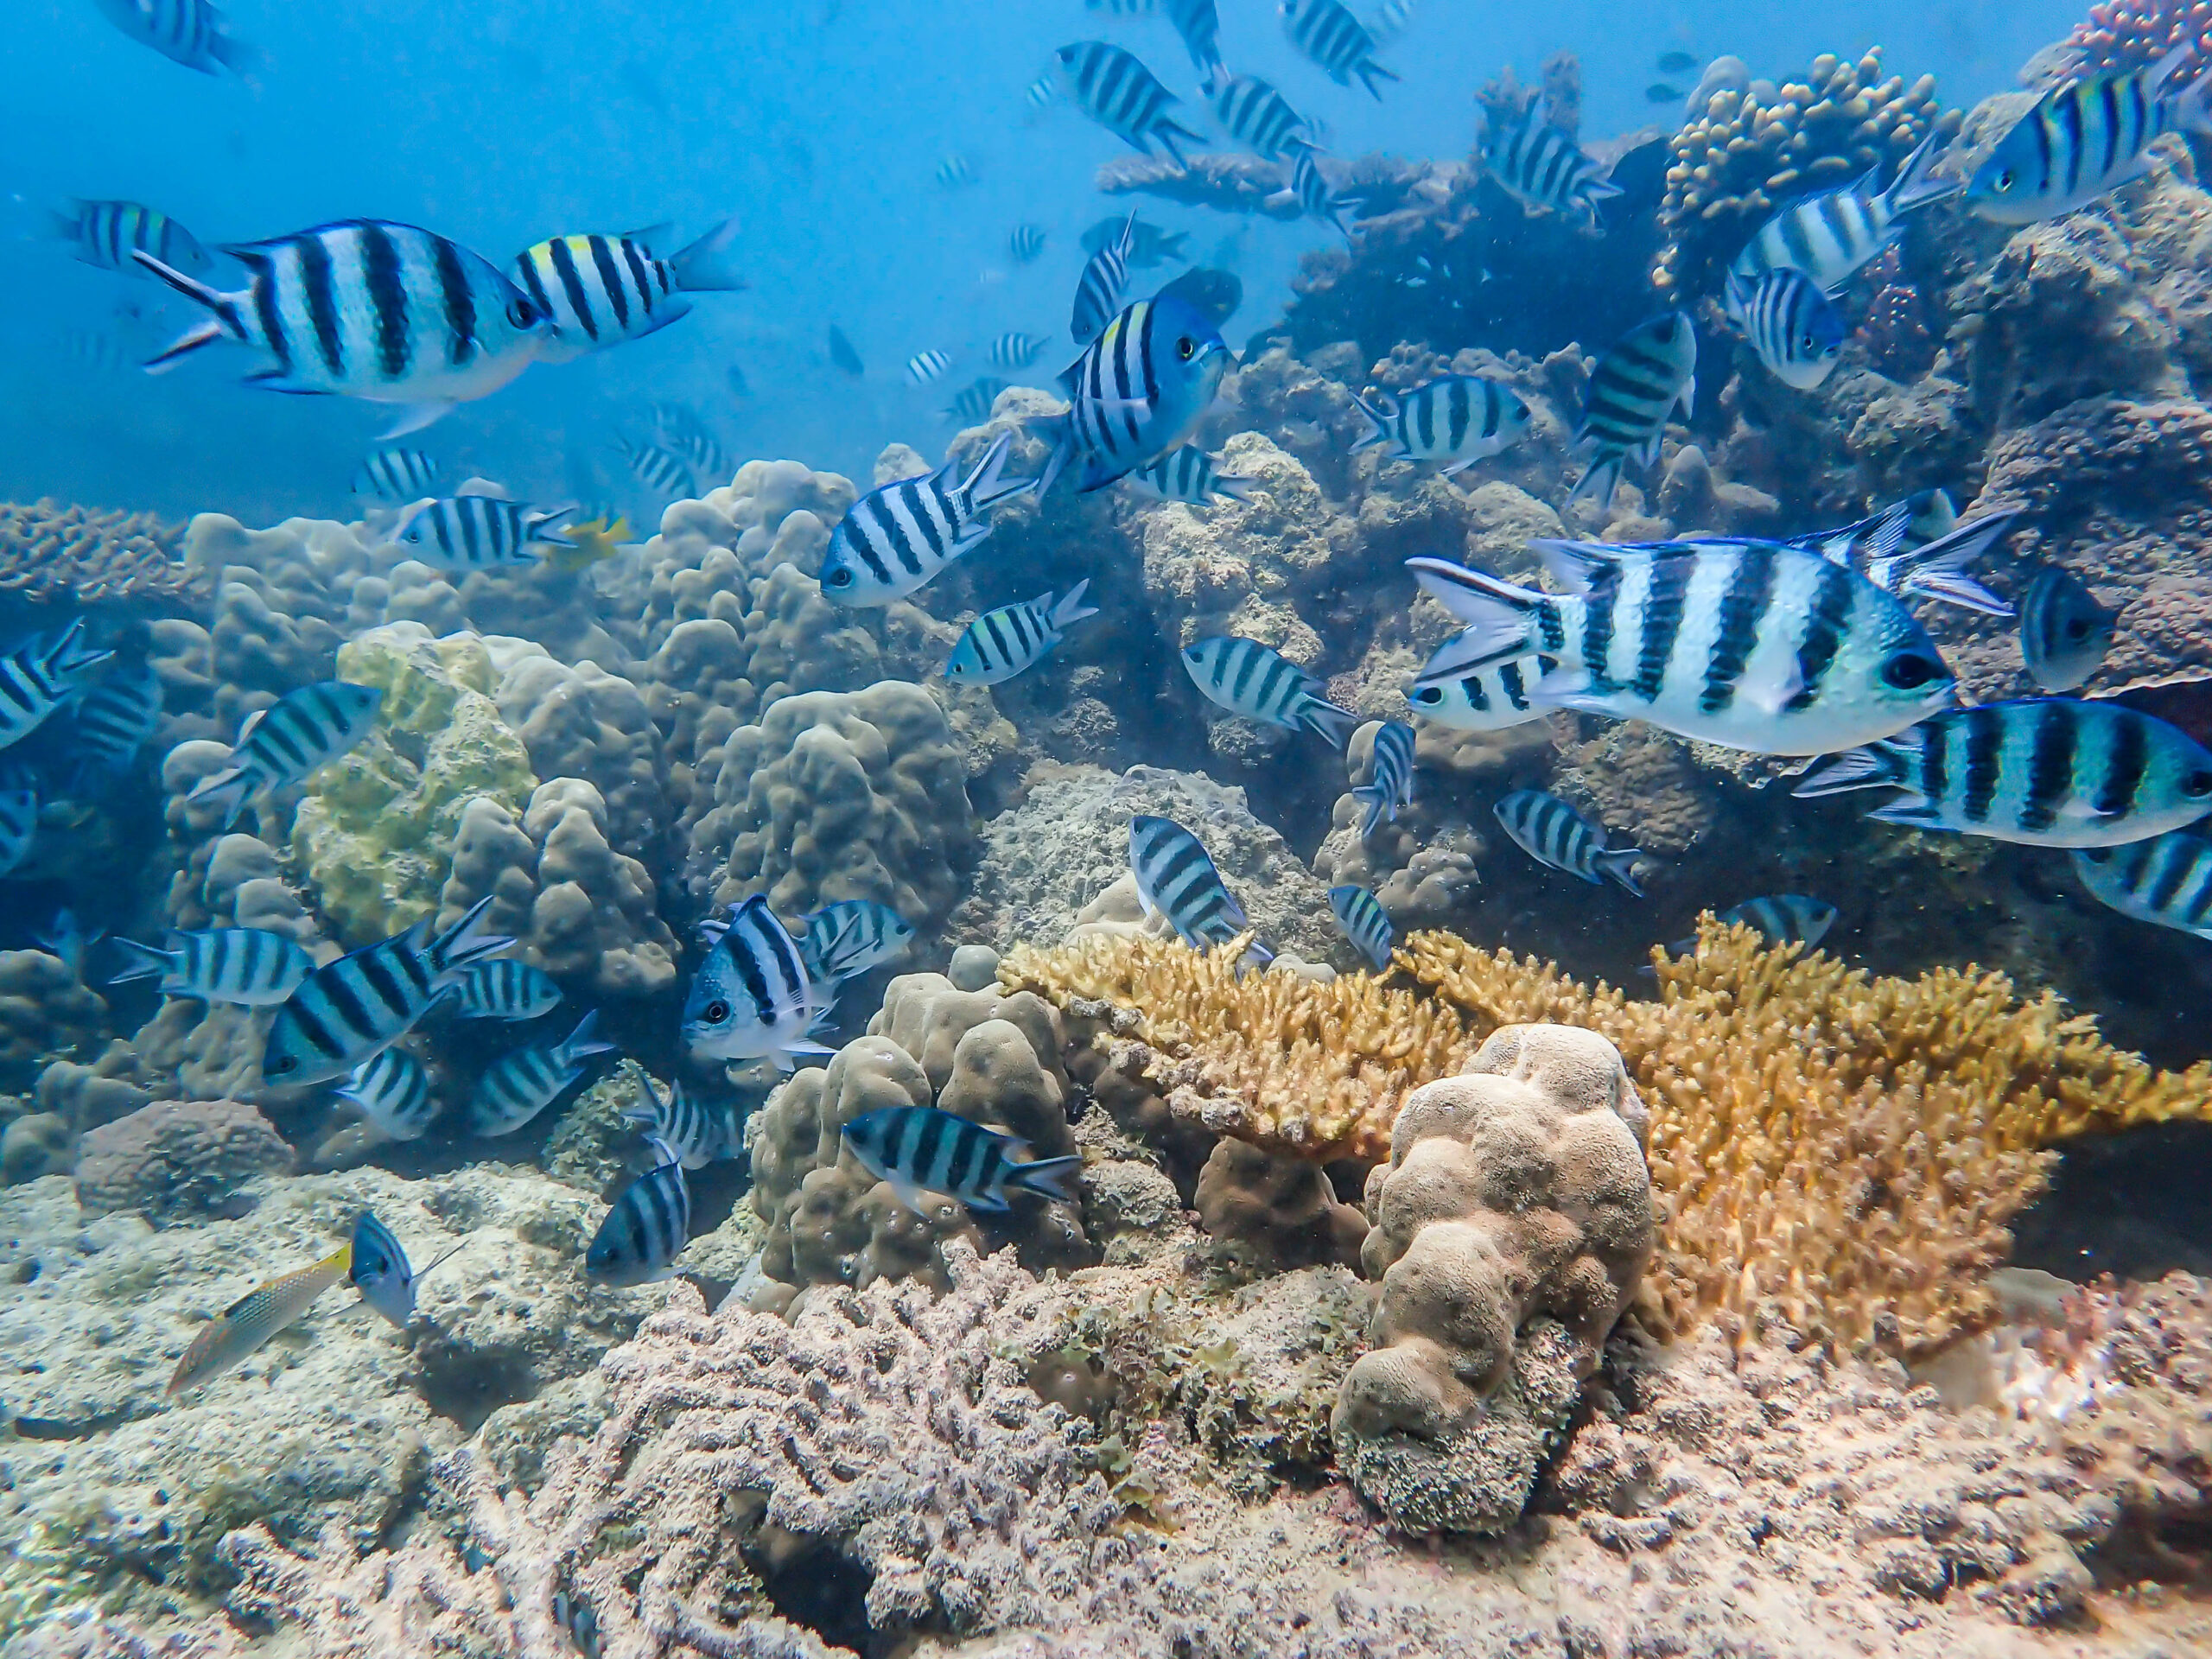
column 91, row 554
column 2124, row 35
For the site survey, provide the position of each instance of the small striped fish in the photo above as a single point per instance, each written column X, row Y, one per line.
column 682, row 431
column 923, row 367
column 1122, row 96
column 1634, row 388
column 1247, row 678
column 256, row 1317
column 1779, row 918
column 1557, row 837
column 18, row 816
column 352, row 1009
column 1026, row 244
column 2166, row 880
column 503, row 988
column 1797, row 334
column 1149, row 245
column 39, row 676
column 1187, row 473
column 479, row 533
column 698, row 1132
column 955, row 172
column 1317, row 197
column 1390, row 777
column 602, row 290
column 2084, row 139
column 393, row 1091
column 1831, row 235
column 106, row 233
column 117, row 718
column 370, row 309
column 1489, row 698
column 2048, row 772
column 1361, row 916
column 287, row 741
column 518, row 1085
column 752, row 997
column 1335, row 40
column 396, row 475
column 381, row 1272
column 190, row 32
column 1177, row 879
column 1136, row 391
column 1040, row 95
column 1458, row 419
column 972, row 406
column 917, row 1149
column 2065, row 631
column 1015, row 349
column 1000, row 643
column 1098, row 294
column 646, row 1229
column 1749, row 645
column 249, row 966
column 1540, row 166
column 898, row 535
column 1259, row 117
column 1199, row 25
column 1918, row 549
column 660, row 468
column 846, row 938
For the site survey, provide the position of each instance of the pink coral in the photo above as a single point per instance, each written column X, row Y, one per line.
column 2127, row 33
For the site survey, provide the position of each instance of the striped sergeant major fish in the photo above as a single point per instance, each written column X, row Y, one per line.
column 397, row 475
column 380, row 1271
column 2165, row 881
column 106, row 234
column 1561, row 838
column 2047, row 772
column 246, row 1324
column 1650, row 373
column 503, row 988
column 250, row 967
column 646, row 1227
column 1187, row 473
column 1122, row 96
column 680, row 429
column 697, row 1131
column 2065, row 630
column 1025, row 243
column 190, row 32
column 18, row 816
column 1247, row 678
column 1458, row 419
column 752, row 997
column 1792, row 327
column 1390, row 782
column 2084, row 139
column 479, row 533
column 602, row 290
column 117, row 718
column 1000, row 643
column 352, row 1009
column 1918, row 549
column 1540, row 166
column 302, row 732
column 521, row 1083
column 1779, row 918
column 1317, row 197
column 1492, row 697
column 1199, row 26
column 367, row 308
column 846, row 938
column 1015, row 349
column 393, row 1090
column 898, row 535
column 1260, row 117
column 1361, row 916
column 973, row 405
column 1176, row 881
column 917, row 1149
column 956, row 172
column 1136, row 392
column 1149, row 245
column 39, row 676
column 660, row 468
column 1833, row 233
column 1749, row 645
column 923, row 367
column 1332, row 38
column 1105, row 277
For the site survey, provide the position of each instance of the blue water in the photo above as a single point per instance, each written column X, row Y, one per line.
column 821, row 122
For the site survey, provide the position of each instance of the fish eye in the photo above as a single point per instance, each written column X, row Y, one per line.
column 284, row 1064
column 1186, row 348
column 840, row 577
column 717, row 1013
column 2197, row 786
column 2078, row 628
column 521, row 312
column 2005, row 180
column 1428, row 694
column 1911, row 670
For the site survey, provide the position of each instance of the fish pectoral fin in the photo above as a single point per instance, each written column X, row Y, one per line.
column 908, row 1194
column 2085, row 811
column 1772, row 692
column 413, row 417
column 1908, row 808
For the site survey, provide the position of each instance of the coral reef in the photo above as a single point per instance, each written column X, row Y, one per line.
column 91, row 554
column 177, row 1160
column 1269, row 1214
column 44, row 1010
column 2123, row 35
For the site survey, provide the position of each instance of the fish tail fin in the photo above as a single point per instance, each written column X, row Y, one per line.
column 1377, row 419
column 582, row 1041
column 1500, row 620
column 1376, row 800
column 1872, row 765
column 1237, row 489
column 242, row 58
column 706, row 266
column 144, row 962
column 1620, row 864
column 1596, row 484
column 1939, row 569
column 466, row 941
column 1367, row 73
column 1047, row 1177
column 228, row 789
column 1168, row 132
column 226, row 317
column 2192, row 107
column 1060, row 429
column 1329, row 722
column 70, row 655
column 199, row 335
column 1913, row 186
column 987, row 486
column 1070, row 607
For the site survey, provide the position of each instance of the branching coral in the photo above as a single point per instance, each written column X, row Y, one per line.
column 89, row 554
column 2128, row 34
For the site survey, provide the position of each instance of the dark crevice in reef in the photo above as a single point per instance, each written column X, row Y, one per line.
column 812, row 1585
column 2137, row 1205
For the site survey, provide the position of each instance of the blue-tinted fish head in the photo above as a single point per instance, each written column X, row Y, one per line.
column 845, row 577
column 967, row 661
column 720, row 1020
column 1189, row 358
column 1814, row 350
column 1891, row 673
column 2006, row 188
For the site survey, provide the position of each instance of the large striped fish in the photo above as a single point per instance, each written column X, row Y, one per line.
column 1749, row 645
column 39, row 676
column 519, row 1085
column 367, row 308
column 117, row 718
column 279, row 746
column 1176, row 879
column 1561, row 838
column 1797, row 332
column 392, row 1089
column 380, row 1271
column 2084, row 139
column 249, row 966
column 1361, row 915
column 898, row 535
column 1831, row 234
column 1247, row 679
column 349, row 1010
column 106, row 234
column 1122, row 96
column 1187, row 473
column 1260, row 117
column 1105, row 277
column 1650, row 372
column 1537, row 164
column 601, row 290
column 2166, row 880
column 190, row 32
column 1136, row 391
column 1458, row 419
column 917, row 1149
column 231, row 1338
column 752, row 997
column 1390, row 777
column 2048, row 772
column 479, row 533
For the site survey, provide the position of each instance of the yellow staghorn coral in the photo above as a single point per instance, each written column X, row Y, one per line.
column 1312, row 1068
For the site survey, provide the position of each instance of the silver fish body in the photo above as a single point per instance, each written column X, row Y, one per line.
column 2065, row 630
column 106, row 234
column 503, row 988
column 1025, row 243
column 1361, row 916
column 646, row 1229
column 1000, row 643
column 392, row 1089
column 660, row 468
column 1648, row 374
column 479, row 533
column 1792, row 326
column 1317, row 197
column 396, row 475
column 39, row 676
column 600, row 290
column 1117, row 92
column 1561, row 838
column 1176, row 880
column 918, row 1149
column 1335, row 40
column 1540, row 166
column 2165, row 881
column 2084, row 139
column 381, row 1272
column 285, row 743
column 1188, row 474
column 1136, row 392
column 250, row 967
column 1247, row 679
column 1831, row 234
column 1390, row 777
column 973, row 405
column 1015, row 349
column 752, row 997
column 1492, row 697
column 117, row 718
column 898, row 535
column 851, row 936
column 924, row 367
column 518, row 1085
column 1458, row 419
column 1259, row 117
column 191, row 32
column 697, row 1131
column 1105, row 277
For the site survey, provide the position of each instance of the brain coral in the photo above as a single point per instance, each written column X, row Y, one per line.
column 176, row 1160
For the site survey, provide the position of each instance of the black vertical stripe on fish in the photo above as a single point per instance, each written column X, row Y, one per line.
column 1663, row 623
column 1597, row 631
column 572, row 285
column 381, row 271
column 1743, row 606
column 610, row 280
column 1830, row 618
column 2050, row 766
column 1985, row 743
column 460, row 303
column 317, row 289
column 2128, row 763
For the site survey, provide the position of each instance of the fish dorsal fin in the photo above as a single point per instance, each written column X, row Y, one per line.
column 652, row 237
column 1581, row 568
column 487, row 488
column 246, row 726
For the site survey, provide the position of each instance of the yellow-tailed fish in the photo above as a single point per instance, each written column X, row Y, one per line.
column 256, row 1317
column 597, row 539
